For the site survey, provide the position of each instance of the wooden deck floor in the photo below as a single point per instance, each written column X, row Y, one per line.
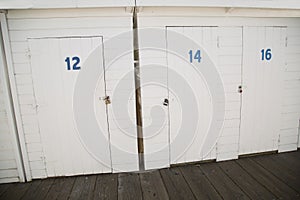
column 275, row 176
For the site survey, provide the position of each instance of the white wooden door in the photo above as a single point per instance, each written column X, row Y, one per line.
column 204, row 106
column 69, row 88
column 263, row 67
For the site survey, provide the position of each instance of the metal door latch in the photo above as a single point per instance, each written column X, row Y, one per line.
column 166, row 102
column 106, row 99
column 240, row 89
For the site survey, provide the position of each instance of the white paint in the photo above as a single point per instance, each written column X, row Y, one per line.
column 14, row 94
column 10, row 158
column 65, row 152
column 109, row 28
column 290, row 116
column 206, row 38
column 291, row 4
column 40, row 4
column 108, row 22
column 262, row 89
column 288, row 109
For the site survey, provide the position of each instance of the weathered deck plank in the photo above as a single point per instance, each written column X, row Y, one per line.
column 106, row 187
column 280, row 170
column 31, row 192
column 16, row 191
column 129, row 187
column 264, row 177
column 248, row 184
column 199, row 183
column 153, row 186
column 4, row 188
column 223, row 184
column 176, row 185
column 61, row 188
column 274, row 176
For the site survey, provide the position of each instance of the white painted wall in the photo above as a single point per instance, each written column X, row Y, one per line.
column 290, row 106
column 41, row 4
column 10, row 159
column 161, row 18
column 291, row 4
column 24, row 24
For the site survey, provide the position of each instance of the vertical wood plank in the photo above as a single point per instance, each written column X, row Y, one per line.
column 280, row 170
column 265, row 178
column 106, row 187
column 34, row 185
column 176, row 185
column 223, row 184
column 4, row 188
column 153, row 186
column 88, row 188
column 199, row 183
column 249, row 185
column 129, row 187
column 67, row 188
column 16, row 191
column 43, row 188
column 61, row 188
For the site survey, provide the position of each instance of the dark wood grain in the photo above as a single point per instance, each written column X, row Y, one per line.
column 275, row 176
column 248, row 184
column 175, row 184
column 66, row 188
column 129, row 187
column 43, row 188
column 280, row 170
column 16, row 191
column 153, row 186
column 199, row 183
column 223, row 184
column 106, row 187
column 31, row 192
column 264, row 177
column 5, row 187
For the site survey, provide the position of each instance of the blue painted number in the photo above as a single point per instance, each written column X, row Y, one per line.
column 196, row 56
column 266, row 54
column 76, row 61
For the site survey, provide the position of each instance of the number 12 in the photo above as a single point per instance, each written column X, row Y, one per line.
column 75, row 64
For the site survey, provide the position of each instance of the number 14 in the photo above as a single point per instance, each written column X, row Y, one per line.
column 197, row 56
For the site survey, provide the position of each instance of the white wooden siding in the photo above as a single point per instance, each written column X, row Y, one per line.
column 25, row 4
column 44, row 24
column 8, row 165
column 292, row 4
column 229, row 64
column 156, row 18
column 290, row 115
column 10, row 160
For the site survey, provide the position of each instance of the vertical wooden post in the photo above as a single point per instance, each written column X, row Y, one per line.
column 138, row 92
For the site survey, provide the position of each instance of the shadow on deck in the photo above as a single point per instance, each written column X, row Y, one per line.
column 275, row 176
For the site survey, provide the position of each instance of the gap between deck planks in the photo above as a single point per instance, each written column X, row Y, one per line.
column 274, row 176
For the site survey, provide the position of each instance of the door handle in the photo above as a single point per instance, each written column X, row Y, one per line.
column 106, row 99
